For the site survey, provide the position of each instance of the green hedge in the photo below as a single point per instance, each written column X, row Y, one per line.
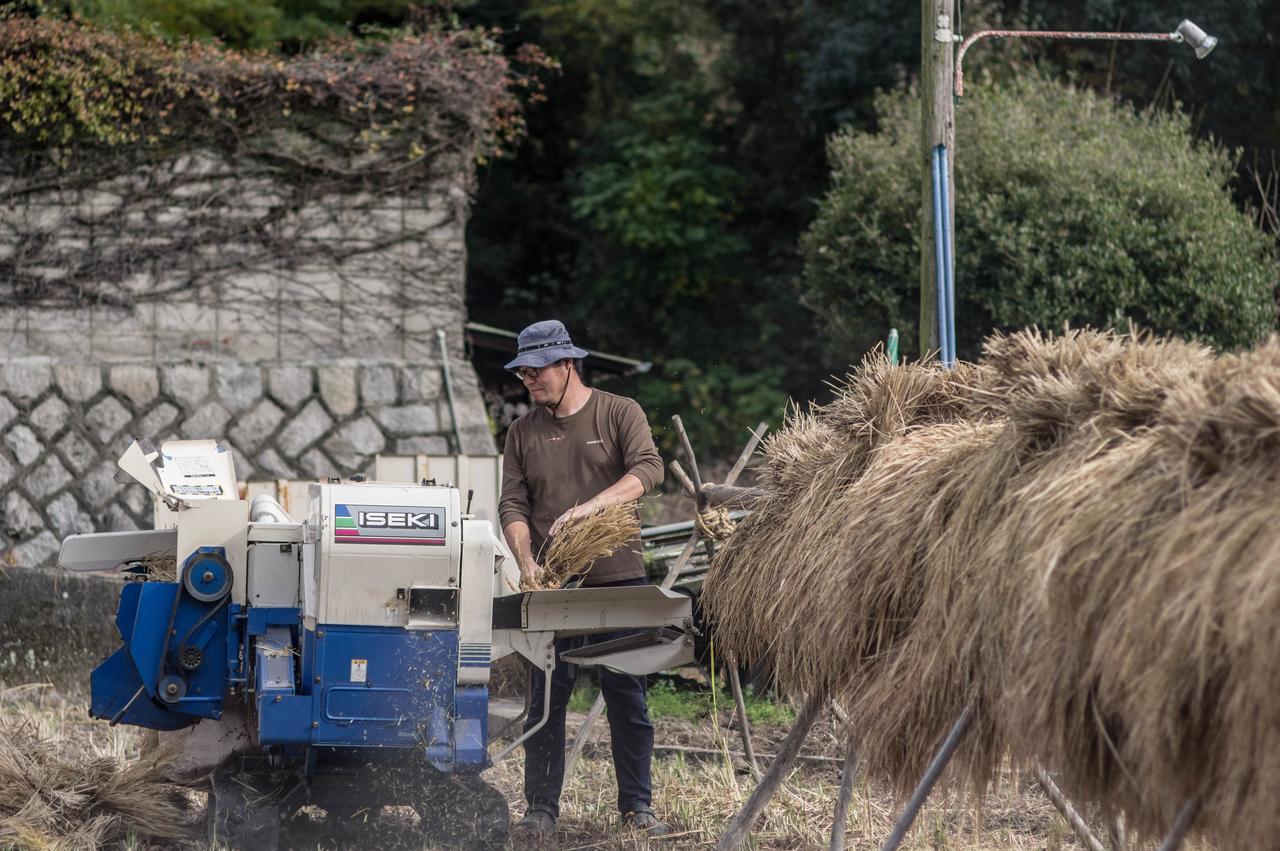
column 1070, row 208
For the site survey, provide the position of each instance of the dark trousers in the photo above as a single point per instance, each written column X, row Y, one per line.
column 630, row 732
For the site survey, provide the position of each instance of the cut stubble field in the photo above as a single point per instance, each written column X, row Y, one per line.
column 699, row 783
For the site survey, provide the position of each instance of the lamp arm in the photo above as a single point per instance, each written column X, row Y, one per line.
column 1066, row 34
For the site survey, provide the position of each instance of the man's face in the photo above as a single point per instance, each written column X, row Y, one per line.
column 546, row 385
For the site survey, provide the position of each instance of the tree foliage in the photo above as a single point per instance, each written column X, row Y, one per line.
column 1069, row 209
column 655, row 206
column 238, row 24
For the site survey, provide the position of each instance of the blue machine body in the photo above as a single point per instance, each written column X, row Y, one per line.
column 377, row 687
column 349, row 687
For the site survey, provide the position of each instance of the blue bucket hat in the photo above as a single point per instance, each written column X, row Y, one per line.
column 544, row 343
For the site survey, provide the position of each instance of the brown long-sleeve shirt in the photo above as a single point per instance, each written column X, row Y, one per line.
column 550, row 464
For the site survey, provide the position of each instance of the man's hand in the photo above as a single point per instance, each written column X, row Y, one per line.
column 572, row 514
column 530, row 572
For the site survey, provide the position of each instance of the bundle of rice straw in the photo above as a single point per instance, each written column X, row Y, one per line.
column 161, row 566
column 583, row 541
column 52, row 801
column 1077, row 537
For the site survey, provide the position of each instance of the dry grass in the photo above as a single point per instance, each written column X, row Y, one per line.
column 696, row 795
column 583, row 541
column 1076, row 536
column 79, row 785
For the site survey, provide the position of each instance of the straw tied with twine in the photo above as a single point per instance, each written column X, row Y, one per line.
column 583, row 541
column 1076, row 536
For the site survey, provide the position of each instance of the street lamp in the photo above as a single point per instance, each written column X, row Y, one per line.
column 1186, row 32
column 937, row 297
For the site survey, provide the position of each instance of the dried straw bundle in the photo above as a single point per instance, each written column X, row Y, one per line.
column 1077, row 538
column 583, row 541
column 51, row 801
column 810, row 480
column 1156, row 591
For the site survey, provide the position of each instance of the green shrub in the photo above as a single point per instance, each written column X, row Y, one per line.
column 1069, row 209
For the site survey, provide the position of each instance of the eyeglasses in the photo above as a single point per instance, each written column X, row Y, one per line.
column 527, row 373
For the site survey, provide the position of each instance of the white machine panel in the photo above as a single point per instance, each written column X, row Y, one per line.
column 274, row 574
column 376, row 540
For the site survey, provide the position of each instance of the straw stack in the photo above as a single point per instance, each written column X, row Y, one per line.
column 1077, row 536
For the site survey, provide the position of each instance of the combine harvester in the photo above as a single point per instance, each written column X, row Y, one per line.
column 341, row 660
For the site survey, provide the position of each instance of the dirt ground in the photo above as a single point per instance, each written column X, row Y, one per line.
column 695, row 793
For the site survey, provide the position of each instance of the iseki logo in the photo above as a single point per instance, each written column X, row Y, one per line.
column 398, row 520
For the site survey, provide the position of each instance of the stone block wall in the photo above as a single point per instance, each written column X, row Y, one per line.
column 306, row 341
column 65, row 424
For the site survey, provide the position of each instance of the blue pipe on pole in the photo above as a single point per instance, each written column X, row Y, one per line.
column 949, row 244
column 940, row 255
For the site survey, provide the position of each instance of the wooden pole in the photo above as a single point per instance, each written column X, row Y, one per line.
column 1181, row 825
column 1069, row 813
column 738, row 831
column 740, row 704
column 937, row 54
column 1116, row 833
column 731, row 660
column 683, row 478
column 847, row 773
column 931, row 775
column 719, row 753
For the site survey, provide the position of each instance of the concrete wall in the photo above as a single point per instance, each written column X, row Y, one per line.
column 304, row 337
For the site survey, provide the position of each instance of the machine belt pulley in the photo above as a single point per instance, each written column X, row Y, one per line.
column 206, row 577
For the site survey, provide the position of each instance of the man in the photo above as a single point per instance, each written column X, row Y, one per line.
column 579, row 449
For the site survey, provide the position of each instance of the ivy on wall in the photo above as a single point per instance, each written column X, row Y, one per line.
column 381, row 110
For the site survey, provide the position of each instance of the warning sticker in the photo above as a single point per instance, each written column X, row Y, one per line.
column 359, row 670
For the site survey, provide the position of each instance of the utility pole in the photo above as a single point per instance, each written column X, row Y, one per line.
column 937, row 51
